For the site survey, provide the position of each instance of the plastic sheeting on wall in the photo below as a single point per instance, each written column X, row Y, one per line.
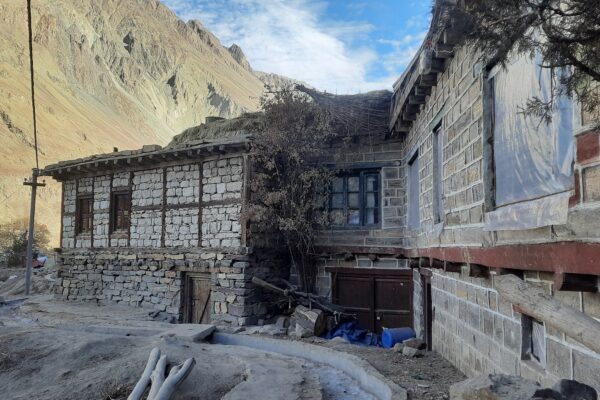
column 532, row 159
column 549, row 210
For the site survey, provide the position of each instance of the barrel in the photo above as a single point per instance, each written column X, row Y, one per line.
column 390, row 337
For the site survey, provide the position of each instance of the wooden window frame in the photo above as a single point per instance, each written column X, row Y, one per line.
column 413, row 208
column 113, row 212
column 79, row 214
column 362, row 195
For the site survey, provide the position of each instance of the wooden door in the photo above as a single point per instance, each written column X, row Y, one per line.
column 379, row 297
column 197, row 305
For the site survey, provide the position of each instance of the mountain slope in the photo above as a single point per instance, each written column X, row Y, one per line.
column 109, row 73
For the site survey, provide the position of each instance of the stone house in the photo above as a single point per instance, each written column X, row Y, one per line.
column 471, row 190
column 445, row 189
column 162, row 228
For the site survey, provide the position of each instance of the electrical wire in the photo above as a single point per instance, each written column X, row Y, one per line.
column 35, row 141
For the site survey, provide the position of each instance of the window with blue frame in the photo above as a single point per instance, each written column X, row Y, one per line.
column 356, row 199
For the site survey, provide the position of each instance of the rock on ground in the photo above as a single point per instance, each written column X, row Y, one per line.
column 494, row 387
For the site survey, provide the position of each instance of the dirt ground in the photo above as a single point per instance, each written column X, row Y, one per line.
column 51, row 349
column 425, row 378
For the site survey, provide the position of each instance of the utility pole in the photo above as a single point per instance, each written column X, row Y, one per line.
column 29, row 259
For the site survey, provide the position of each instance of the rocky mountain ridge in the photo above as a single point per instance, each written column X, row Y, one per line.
column 109, row 73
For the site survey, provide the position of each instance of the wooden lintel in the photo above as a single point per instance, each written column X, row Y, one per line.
column 222, row 149
column 575, row 282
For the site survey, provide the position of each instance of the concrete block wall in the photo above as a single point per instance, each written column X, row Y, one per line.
column 479, row 332
column 374, row 152
column 457, row 103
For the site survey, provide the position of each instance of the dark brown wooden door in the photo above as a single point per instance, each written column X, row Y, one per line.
column 197, row 305
column 379, row 297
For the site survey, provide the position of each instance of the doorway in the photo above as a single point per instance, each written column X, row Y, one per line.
column 196, row 303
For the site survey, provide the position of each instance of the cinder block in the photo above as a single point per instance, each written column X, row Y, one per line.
column 586, row 369
column 558, row 359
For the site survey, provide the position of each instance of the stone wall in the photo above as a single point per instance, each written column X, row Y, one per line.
column 184, row 218
column 479, row 332
column 154, row 278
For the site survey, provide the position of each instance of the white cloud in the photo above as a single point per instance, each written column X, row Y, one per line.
column 288, row 38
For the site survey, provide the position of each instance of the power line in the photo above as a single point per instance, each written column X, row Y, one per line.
column 35, row 142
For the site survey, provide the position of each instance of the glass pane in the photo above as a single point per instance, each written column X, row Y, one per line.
column 337, row 201
column 353, row 217
column 353, row 200
column 353, row 183
column 371, row 199
column 370, row 217
column 372, row 183
column 338, row 184
column 337, row 217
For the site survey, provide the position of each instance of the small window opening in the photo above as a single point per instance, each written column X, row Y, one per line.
column 534, row 340
column 355, row 199
column 120, row 212
column 85, row 214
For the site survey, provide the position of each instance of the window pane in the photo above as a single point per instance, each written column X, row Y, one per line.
column 370, row 217
column 338, row 184
column 371, row 199
column 353, row 183
column 372, row 183
column 337, row 201
column 353, row 217
column 353, row 200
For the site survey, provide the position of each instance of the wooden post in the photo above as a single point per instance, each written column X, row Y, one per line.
column 29, row 258
column 535, row 302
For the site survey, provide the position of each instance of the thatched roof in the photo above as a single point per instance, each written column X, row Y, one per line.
column 359, row 114
column 356, row 114
column 245, row 124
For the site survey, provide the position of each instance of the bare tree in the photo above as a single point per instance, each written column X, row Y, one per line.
column 290, row 183
column 566, row 34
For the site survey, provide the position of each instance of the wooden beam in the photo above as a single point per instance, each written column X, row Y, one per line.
column 444, row 51
column 422, row 90
column 409, row 117
column 575, row 283
column 418, row 100
column 534, row 301
column 413, row 263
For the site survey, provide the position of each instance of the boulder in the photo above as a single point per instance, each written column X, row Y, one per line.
column 573, row 390
column 415, row 343
column 412, row 352
column 300, row 332
column 494, row 387
column 398, row 347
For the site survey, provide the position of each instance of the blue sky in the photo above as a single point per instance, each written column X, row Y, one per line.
column 338, row 46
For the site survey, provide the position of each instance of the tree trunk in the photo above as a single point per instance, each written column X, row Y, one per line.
column 313, row 320
column 140, row 386
column 535, row 302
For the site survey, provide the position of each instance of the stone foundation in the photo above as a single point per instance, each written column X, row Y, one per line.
column 154, row 279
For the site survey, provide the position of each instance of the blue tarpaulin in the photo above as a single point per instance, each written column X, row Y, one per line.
column 354, row 334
